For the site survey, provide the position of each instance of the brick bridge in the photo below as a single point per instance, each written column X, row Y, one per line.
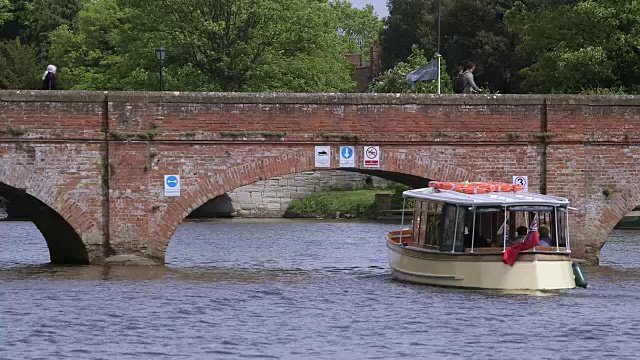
column 91, row 165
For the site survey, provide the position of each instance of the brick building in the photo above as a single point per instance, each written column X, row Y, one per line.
column 365, row 70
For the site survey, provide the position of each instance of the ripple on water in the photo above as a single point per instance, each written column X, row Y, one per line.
column 325, row 293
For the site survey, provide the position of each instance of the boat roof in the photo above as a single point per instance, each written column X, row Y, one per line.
column 488, row 199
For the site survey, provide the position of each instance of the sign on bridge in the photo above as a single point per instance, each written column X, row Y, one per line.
column 372, row 157
column 172, row 185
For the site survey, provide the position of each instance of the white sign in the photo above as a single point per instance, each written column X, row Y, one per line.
column 172, row 185
column 323, row 156
column 523, row 181
column 371, row 156
column 347, row 156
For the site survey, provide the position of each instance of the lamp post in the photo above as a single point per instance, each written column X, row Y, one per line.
column 438, row 42
column 160, row 54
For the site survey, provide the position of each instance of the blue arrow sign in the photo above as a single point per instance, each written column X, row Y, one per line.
column 347, row 152
column 172, row 181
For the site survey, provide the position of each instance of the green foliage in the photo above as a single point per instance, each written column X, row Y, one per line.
column 250, row 45
column 358, row 27
column 471, row 30
column 40, row 17
column 5, row 11
column 398, row 200
column 395, row 80
column 541, row 46
column 19, row 66
column 578, row 46
column 212, row 45
column 358, row 203
column 87, row 51
column 410, row 22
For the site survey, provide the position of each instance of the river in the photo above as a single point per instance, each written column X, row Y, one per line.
column 238, row 289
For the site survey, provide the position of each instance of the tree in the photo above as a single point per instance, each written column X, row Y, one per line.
column 19, row 66
column 40, row 17
column 394, row 80
column 358, row 27
column 471, row 30
column 5, row 11
column 86, row 51
column 410, row 22
column 578, row 46
column 253, row 44
column 474, row 30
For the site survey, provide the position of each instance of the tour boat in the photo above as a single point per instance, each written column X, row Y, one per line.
column 466, row 235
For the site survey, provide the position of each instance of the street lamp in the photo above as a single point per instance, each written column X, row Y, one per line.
column 438, row 42
column 160, row 54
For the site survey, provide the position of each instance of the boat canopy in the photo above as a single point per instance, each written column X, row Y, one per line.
column 488, row 199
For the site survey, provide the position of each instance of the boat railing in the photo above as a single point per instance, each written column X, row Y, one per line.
column 498, row 250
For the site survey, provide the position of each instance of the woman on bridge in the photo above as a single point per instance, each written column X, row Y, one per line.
column 49, row 79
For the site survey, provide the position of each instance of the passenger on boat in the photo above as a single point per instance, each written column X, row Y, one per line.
column 522, row 233
column 545, row 239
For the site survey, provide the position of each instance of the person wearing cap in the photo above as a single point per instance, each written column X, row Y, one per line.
column 49, row 78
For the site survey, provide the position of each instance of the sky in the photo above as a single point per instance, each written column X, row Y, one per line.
column 380, row 6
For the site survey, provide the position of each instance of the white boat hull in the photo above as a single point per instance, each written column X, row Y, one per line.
column 532, row 271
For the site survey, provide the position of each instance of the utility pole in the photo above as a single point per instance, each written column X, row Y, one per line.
column 438, row 44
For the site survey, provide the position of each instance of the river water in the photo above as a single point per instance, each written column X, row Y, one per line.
column 238, row 289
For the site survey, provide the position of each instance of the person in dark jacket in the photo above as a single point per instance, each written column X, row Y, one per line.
column 49, row 78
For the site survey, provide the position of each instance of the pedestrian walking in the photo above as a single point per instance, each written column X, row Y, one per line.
column 49, row 79
column 470, row 86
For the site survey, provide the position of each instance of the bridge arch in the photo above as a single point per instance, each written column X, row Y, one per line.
column 619, row 204
column 59, row 218
column 295, row 161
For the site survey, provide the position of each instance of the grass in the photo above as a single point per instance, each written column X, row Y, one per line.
column 349, row 203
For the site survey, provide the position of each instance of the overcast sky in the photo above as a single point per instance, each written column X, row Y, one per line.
column 379, row 5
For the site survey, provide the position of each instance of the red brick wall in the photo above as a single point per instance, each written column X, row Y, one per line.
column 574, row 146
column 50, row 148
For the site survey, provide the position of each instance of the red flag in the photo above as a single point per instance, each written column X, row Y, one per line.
column 532, row 240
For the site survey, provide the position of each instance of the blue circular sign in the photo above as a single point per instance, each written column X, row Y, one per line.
column 172, row 181
column 347, row 152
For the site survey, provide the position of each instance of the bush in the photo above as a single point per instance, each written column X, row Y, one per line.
column 19, row 66
column 356, row 204
column 396, row 202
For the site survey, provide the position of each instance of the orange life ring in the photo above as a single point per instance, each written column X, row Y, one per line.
column 473, row 189
column 476, row 187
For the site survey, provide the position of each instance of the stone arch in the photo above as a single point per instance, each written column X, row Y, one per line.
column 60, row 219
column 275, row 166
column 619, row 205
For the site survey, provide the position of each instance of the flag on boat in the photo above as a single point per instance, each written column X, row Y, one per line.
column 532, row 240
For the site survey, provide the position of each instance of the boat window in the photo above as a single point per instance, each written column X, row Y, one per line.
column 426, row 223
column 522, row 217
column 489, row 227
column 417, row 219
column 433, row 227
column 420, row 221
column 453, row 227
column 562, row 231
